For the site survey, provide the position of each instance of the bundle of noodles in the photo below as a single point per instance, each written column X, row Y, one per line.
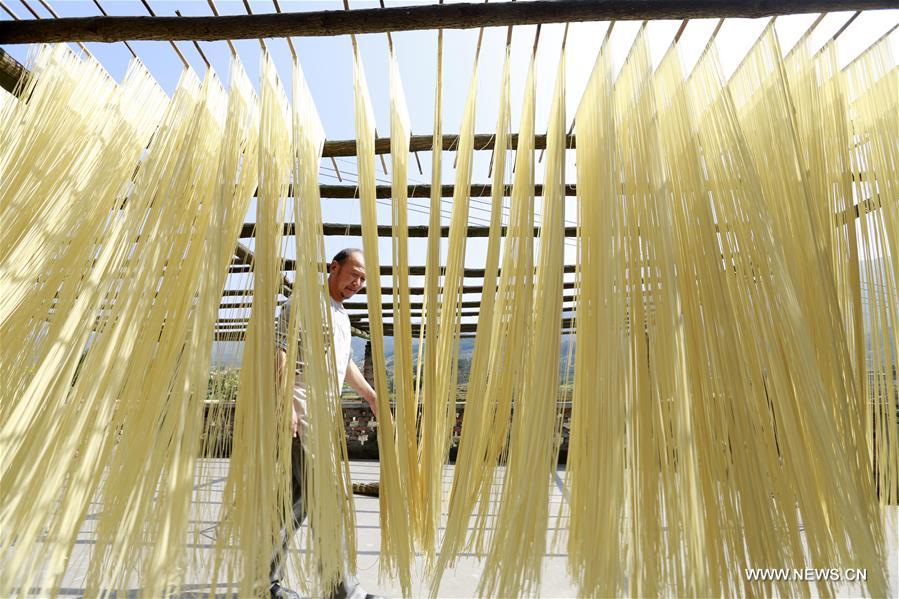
column 237, row 179
column 236, row 185
column 648, row 378
column 406, row 404
column 430, row 462
column 514, row 561
column 822, row 124
column 56, row 216
column 436, row 441
column 819, row 445
column 470, row 471
column 713, row 244
column 66, row 163
column 596, row 450
column 327, row 471
column 258, row 486
column 396, row 539
column 871, row 91
column 148, row 490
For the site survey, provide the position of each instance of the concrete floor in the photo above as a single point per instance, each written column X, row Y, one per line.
column 461, row 581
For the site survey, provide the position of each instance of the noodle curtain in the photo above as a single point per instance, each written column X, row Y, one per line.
column 734, row 397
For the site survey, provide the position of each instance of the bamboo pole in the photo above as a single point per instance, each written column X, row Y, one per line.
column 406, row 18
column 482, row 141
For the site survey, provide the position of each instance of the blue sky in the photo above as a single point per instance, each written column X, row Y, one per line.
column 327, row 63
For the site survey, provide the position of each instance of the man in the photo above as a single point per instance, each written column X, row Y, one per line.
column 346, row 277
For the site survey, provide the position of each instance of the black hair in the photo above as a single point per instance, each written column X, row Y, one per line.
column 343, row 254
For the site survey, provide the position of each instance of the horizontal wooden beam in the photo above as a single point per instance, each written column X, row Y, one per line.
column 465, row 289
column 403, row 18
column 382, row 192
column 356, row 306
column 360, row 313
column 237, row 332
column 350, row 306
column 386, row 290
column 361, row 318
column 290, row 265
column 362, row 321
column 415, row 231
column 424, row 143
column 356, row 319
column 248, row 230
column 244, row 255
column 465, row 327
column 11, row 72
column 359, row 322
column 247, row 293
column 478, row 190
column 238, row 335
column 241, row 305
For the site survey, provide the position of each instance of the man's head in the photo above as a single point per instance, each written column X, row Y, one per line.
column 346, row 274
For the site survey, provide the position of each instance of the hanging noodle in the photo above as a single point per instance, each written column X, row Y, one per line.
column 596, row 450
column 257, row 488
column 406, row 405
column 396, row 541
column 470, row 471
column 237, row 180
column 430, row 459
column 514, row 562
column 58, row 391
column 871, row 85
column 446, row 374
column 734, row 402
column 327, row 475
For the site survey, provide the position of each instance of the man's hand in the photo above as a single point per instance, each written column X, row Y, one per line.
column 280, row 366
column 294, row 422
column 372, row 400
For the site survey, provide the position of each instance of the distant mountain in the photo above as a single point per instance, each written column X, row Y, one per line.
column 466, row 353
column 229, row 354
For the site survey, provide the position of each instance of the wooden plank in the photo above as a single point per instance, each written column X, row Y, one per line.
column 11, row 72
column 416, row 231
column 289, row 265
column 361, row 318
column 385, row 289
column 236, row 332
column 419, row 305
column 424, row 143
column 478, row 190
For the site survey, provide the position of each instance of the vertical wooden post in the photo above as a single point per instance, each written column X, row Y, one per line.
column 368, row 369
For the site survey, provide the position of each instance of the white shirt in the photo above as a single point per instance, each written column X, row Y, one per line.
column 342, row 337
column 343, row 350
column 343, row 353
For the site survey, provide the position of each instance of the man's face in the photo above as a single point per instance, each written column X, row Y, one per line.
column 346, row 279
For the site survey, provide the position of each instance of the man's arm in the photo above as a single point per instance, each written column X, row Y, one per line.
column 280, row 363
column 280, row 373
column 355, row 379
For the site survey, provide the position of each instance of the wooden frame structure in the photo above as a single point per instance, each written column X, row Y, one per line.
column 379, row 20
column 382, row 20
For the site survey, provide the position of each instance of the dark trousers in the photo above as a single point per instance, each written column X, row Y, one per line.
column 297, row 482
column 297, row 478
